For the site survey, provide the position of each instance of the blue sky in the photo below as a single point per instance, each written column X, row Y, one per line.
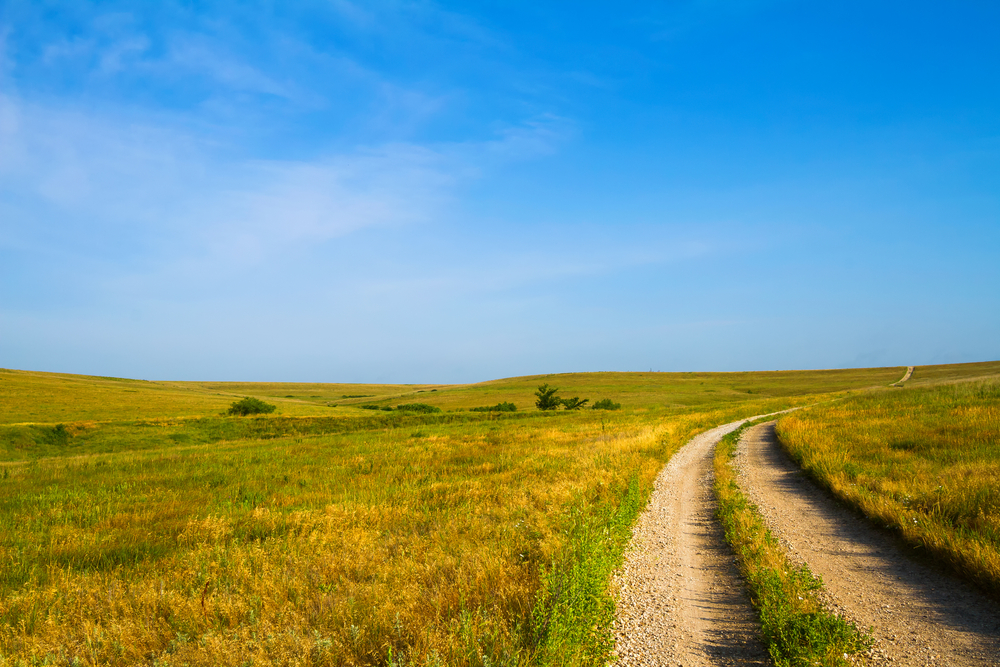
column 420, row 192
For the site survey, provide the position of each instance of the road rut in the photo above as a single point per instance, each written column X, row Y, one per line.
column 919, row 616
column 680, row 597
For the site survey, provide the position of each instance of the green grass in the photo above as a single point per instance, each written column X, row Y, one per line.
column 139, row 524
column 31, row 397
column 922, row 461
column 934, row 375
column 795, row 627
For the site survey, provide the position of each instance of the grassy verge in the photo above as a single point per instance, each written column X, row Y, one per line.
column 923, row 462
column 795, row 627
column 572, row 619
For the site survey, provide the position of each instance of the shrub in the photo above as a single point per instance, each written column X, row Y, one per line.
column 547, row 399
column 57, row 435
column 418, row 407
column 574, row 403
column 606, row 404
column 499, row 407
column 251, row 406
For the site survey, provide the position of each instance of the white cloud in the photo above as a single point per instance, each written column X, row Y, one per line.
column 104, row 176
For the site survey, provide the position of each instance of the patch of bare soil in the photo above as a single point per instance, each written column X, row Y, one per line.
column 680, row 597
column 919, row 616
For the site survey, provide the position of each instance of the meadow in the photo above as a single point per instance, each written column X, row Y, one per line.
column 141, row 524
column 923, row 460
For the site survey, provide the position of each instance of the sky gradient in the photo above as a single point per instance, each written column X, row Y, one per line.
column 421, row 192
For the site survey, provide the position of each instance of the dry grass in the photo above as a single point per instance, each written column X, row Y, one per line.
column 324, row 550
column 924, row 462
column 333, row 549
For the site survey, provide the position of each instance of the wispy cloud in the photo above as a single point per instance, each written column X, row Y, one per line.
column 82, row 172
column 201, row 56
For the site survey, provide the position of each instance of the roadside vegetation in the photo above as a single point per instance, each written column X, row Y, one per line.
column 139, row 524
column 795, row 627
column 921, row 461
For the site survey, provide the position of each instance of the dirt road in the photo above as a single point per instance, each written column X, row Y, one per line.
column 681, row 601
column 919, row 616
column 899, row 383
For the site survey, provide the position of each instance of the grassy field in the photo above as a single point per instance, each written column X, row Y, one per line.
column 924, row 461
column 27, row 397
column 139, row 524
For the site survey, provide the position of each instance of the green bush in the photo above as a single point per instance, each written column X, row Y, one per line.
column 418, row 407
column 574, row 403
column 251, row 406
column 499, row 407
column 606, row 404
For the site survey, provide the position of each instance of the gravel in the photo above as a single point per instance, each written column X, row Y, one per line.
column 680, row 597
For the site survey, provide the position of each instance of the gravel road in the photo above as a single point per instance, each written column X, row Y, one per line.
column 680, row 598
column 919, row 616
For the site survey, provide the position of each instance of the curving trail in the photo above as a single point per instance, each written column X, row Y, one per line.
column 919, row 616
column 899, row 383
column 681, row 600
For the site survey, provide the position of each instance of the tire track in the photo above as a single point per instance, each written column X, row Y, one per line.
column 919, row 615
column 680, row 597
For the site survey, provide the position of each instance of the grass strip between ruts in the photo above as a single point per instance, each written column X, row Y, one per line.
column 795, row 627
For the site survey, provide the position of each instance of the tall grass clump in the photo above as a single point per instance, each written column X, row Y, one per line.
column 795, row 627
column 922, row 462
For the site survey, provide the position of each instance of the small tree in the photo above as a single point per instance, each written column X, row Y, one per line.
column 547, row 399
column 251, row 406
column 574, row 403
